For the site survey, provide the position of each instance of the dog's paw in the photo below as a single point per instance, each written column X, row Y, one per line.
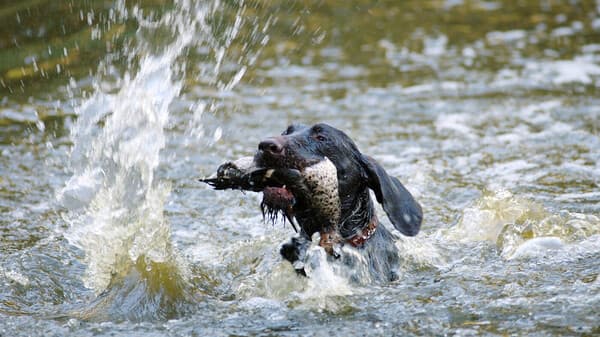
column 295, row 252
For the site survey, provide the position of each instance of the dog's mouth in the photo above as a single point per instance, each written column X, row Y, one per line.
column 287, row 158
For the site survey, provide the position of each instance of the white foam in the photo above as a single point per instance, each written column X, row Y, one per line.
column 486, row 219
column 589, row 196
column 596, row 24
column 513, row 171
column 324, row 279
column 578, row 70
column 15, row 276
column 435, row 46
column 505, row 36
column 532, row 111
column 537, row 246
column 261, row 303
column 457, row 123
column 293, row 71
column 591, row 48
column 421, row 251
column 563, row 31
column 429, row 87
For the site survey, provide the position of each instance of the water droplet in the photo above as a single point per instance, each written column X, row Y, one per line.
column 218, row 134
column 90, row 18
column 40, row 125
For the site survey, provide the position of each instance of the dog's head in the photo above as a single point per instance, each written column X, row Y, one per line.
column 301, row 146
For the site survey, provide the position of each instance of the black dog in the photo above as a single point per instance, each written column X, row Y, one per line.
column 353, row 225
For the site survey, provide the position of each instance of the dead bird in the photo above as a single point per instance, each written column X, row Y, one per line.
column 314, row 188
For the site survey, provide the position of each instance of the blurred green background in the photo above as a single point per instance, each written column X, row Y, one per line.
column 43, row 43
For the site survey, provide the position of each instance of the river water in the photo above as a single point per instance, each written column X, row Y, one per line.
column 488, row 111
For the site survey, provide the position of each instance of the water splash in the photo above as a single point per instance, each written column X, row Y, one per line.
column 326, row 288
column 520, row 227
column 485, row 220
column 114, row 200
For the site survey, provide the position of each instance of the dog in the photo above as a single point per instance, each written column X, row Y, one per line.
column 317, row 177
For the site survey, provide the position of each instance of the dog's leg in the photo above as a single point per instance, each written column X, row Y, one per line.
column 330, row 241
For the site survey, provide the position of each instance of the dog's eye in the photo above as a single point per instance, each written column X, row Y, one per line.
column 287, row 131
column 320, row 138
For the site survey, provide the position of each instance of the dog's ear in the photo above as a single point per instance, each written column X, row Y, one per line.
column 401, row 208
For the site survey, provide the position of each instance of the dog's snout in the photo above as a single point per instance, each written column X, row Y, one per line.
column 271, row 145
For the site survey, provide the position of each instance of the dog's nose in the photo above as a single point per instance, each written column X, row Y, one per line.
column 271, row 145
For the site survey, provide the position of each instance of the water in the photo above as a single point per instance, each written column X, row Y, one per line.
column 488, row 112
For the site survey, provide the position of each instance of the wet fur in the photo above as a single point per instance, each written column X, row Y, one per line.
column 302, row 146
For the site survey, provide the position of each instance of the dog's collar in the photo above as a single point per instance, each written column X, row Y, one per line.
column 359, row 239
